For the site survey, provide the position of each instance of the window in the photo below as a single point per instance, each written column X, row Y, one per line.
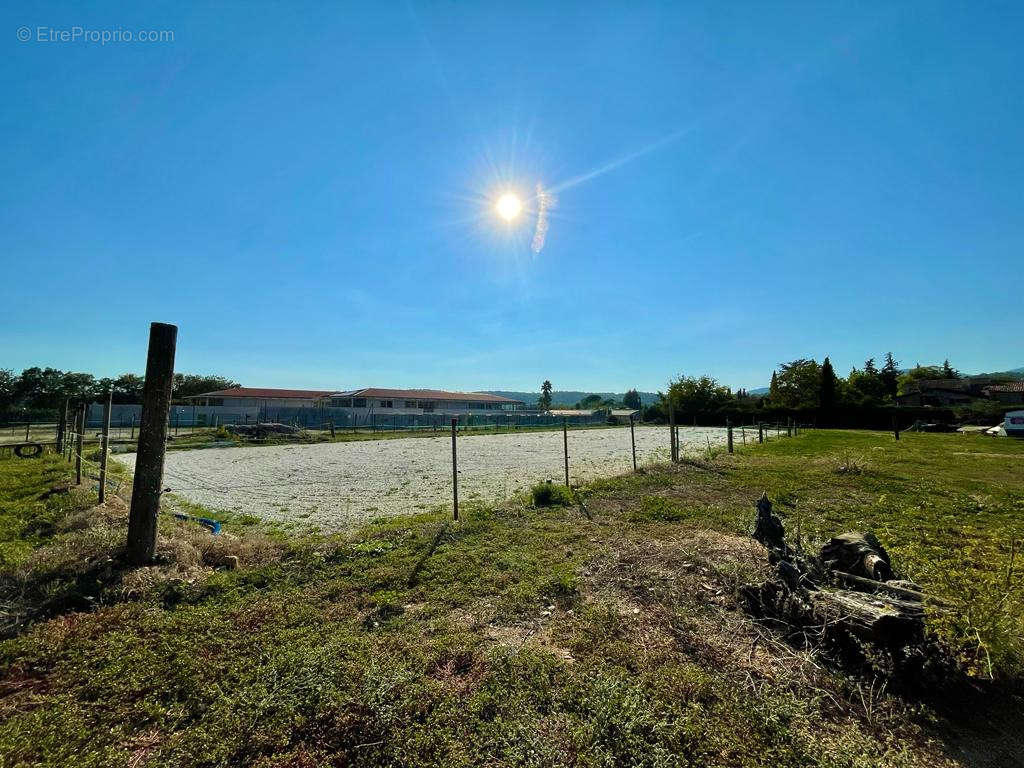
column 410, row 403
column 341, row 402
column 359, row 402
column 385, row 404
column 1016, row 420
column 215, row 401
column 426, row 405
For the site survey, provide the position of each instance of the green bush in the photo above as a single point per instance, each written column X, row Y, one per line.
column 551, row 494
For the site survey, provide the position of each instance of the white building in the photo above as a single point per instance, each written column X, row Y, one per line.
column 419, row 401
column 260, row 397
column 361, row 402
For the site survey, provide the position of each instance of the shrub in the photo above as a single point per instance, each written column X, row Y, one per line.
column 551, row 494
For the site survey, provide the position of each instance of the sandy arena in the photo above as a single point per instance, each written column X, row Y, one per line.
column 339, row 485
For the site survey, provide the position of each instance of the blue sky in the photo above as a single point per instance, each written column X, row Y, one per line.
column 307, row 190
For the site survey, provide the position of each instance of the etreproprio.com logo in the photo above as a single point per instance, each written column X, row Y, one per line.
column 77, row 34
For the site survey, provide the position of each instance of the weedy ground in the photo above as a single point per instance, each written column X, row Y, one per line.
column 602, row 633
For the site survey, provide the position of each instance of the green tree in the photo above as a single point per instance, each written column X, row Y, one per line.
column 797, row 384
column 632, row 399
column 8, row 384
column 698, row 395
column 827, row 387
column 890, row 375
column 191, row 384
column 128, row 388
column 545, row 395
column 918, row 373
column 948, row 371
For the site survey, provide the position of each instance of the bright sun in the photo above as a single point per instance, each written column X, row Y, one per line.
column 509, row 206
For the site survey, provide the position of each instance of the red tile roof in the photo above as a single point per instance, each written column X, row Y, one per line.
column 426, row 394
column 1010, row 386
column 298, row 394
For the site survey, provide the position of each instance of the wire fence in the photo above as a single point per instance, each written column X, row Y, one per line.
column 345, row 486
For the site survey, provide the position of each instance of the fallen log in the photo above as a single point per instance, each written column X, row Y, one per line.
column 886, row 621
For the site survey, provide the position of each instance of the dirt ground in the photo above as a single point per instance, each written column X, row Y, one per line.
column 338, row 485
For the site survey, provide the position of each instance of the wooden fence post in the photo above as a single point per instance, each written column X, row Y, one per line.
column 728, row 433
column 79, row 440
column 105, row 448
column 565, row 446
column 760, row 432
column 895, row 428
column 632, row 439
column 455, row 471
column 149, row 462
column 28, row 425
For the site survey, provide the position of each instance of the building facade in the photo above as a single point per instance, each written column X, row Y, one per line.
column 261, row 397
column 361, row 402
column 377, row 400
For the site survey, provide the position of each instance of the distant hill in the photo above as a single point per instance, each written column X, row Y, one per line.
column 569, row 397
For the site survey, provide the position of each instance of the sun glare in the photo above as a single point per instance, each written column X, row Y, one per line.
column 509, row 206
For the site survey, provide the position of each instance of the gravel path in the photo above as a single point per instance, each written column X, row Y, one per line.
column 338, row 485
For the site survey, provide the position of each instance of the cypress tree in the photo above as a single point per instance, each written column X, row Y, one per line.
column 827, row 390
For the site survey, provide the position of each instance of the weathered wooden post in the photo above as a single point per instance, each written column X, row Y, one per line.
column 760, row 432
column 728, row 433
column 149, row 463
column 632, row 439
column 565, row 446
column 895, row 428
column 332, row 427
column 105, row 448
column 455, row 471
column 28, row 424
column 133, row 427
column 79, row 440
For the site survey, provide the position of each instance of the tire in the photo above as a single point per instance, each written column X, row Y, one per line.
column 28, row 450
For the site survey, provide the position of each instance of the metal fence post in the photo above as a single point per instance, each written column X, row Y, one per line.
column 105, row 448
column 565, row 446
column 632, row 439
column 79, row 440
column 62, row 428
column 671, row 431
column 149, row 464
column 455, row 472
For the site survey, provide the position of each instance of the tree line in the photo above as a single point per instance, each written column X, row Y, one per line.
column 37, row 390
column 804, row 389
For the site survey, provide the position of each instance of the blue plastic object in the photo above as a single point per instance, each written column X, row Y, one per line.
column 206, row 522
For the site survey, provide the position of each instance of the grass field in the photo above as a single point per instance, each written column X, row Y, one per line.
column 521, row 636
